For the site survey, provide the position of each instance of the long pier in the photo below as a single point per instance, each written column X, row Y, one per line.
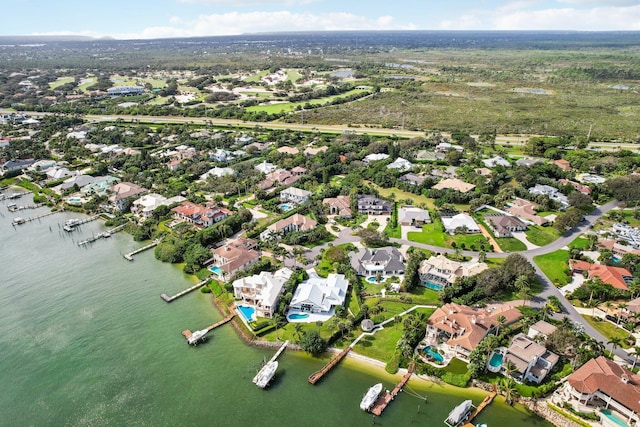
column 78, row 222
column 279, row 352
column 168, row 298
column 317, row 376
column 187, row 333
column 13, row 208
column 13, row 196
column 129, row 256
column 487, row 400
column 102, row 235
column 18, row 221
column 385, row 399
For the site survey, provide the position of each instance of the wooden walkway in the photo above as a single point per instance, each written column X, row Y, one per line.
column 279, row 352
column 316, row 376
column 168, row 298
column 187, row 333
column 18, row 221
column 129, row 256
column 487, row 400
column 387, row 397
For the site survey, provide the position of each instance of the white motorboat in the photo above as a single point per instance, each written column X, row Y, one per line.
column 459, row 414
column 264, row 376
column 197, row 336
column 370, row 397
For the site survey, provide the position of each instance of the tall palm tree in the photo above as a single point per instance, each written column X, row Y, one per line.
column 635, row 352
column 501, row 321
column 508, row 388
column 297, row 330
column 615, row 343
column 277, row 318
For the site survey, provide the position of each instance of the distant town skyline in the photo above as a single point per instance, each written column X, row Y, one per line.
column 144, row 19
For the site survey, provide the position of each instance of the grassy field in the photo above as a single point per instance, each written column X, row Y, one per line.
column 397, row 194
column 293, row 74
column 580, row 243
column 60, row 81
column 382, row 345
column 554, row 265
column 541, row 236
column 290, row 106
column 510, row 244
column 608, row 329
column 432, row 234
column 89, row 81
column 256, row 77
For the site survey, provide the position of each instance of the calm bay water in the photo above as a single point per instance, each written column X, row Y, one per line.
column 86, row 341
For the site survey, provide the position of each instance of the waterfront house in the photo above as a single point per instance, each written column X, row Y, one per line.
column 295, row 222
column 532, row 361
column 320, row 295
column 57, row 173
column 370, row 205
column 411, row 215
column 504, row 225
column 460, row 223
column 526, row 210
column 340, row 206
column 202, row 216
column 460, row 328
column 235, row 255
column 295, row 195
column 454, row 184
column 15, row 165
column 122, row 192
column 438, row 272
column 602, row 383
column 145, row 205
column 262, row 291
column 617, row 277
column 387, row 261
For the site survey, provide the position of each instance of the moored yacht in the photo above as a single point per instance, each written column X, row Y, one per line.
column 370, row 397
column 265, row 375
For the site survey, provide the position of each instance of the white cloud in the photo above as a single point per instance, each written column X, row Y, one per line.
column 594, row 19
column 255, row 22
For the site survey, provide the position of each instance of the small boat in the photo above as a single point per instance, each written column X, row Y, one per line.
column 18, row 220
column 264, row 376
column 106, row 234
column 459, row 414
column 370, row 397
column 70, row 224
column 197, row 336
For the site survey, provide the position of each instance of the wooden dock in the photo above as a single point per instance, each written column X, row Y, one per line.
column 102, row 235
column 279, row 352
column 25, row 207
column 316, row 376
column 18, row 221
column 487, row 400
column 13, row 196
column 168, row 298
column 387, row 397
column 187, row 333
column 129, row 256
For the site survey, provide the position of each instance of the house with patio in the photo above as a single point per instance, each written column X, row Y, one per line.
column 460, row 223
column 238, row 254
column 526, row 210
column 438, row 272
column 411, row 215
column 531, row 360
column 122, row 192
column 145, row 205
column 454, row 184
column 295, row 195
column 458, row 329
column 617, row 277
column 386, row 261
column 504, row 225
column 340, row 206
column 261, row 291
column 202, row 216
column 319, row 295
column 603, row 384
column 295, row 222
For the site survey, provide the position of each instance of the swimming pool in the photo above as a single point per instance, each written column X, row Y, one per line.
column 614, row 418
column 371, row 279
column 75, row 200
column 286, row 207
column 429, row 351
column 298, row 316
column 496, row 360
column 249, row 313
column 434, row 286
column 215, row 269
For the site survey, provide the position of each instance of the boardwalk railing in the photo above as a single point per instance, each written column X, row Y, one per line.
column 316, row 376
column 386, row 398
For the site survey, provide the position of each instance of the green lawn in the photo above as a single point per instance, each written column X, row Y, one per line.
column 424, row 296
column 290, row 106
column 60, row 81
column 608, row 329
column 510, row 244
column 90, row 81
column 431, row 234
column 293, row 74
column 256, row 77
column 541, row 236
column 397, row 194
column 579, row 243
column 382, row 345
column 555, row 266
column 456, row 366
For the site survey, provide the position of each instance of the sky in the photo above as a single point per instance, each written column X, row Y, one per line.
column 145, row 19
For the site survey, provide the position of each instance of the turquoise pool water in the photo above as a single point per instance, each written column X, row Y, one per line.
column 298, row 316
column 429, row 351
column 371, row 279
column 434, row 286
column 215, row 269
column 286, row 207
column 614, row 418
column 496, row 360
column 75, row 200
column 247, row 312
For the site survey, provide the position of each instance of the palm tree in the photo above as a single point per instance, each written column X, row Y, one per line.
column 615, row 343
column 501, row 320
column 635, row 352
column 297, row 330
column 509, row 368
column 277, row 318
column 621, row 308
column 508, row 388
column 545, row 311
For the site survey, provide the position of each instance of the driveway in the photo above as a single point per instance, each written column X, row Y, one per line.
column 521, row 235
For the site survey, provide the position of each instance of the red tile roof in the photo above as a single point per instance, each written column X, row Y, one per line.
column 613, row 276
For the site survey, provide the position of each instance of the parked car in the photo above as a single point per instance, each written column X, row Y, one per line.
column 614, row 319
